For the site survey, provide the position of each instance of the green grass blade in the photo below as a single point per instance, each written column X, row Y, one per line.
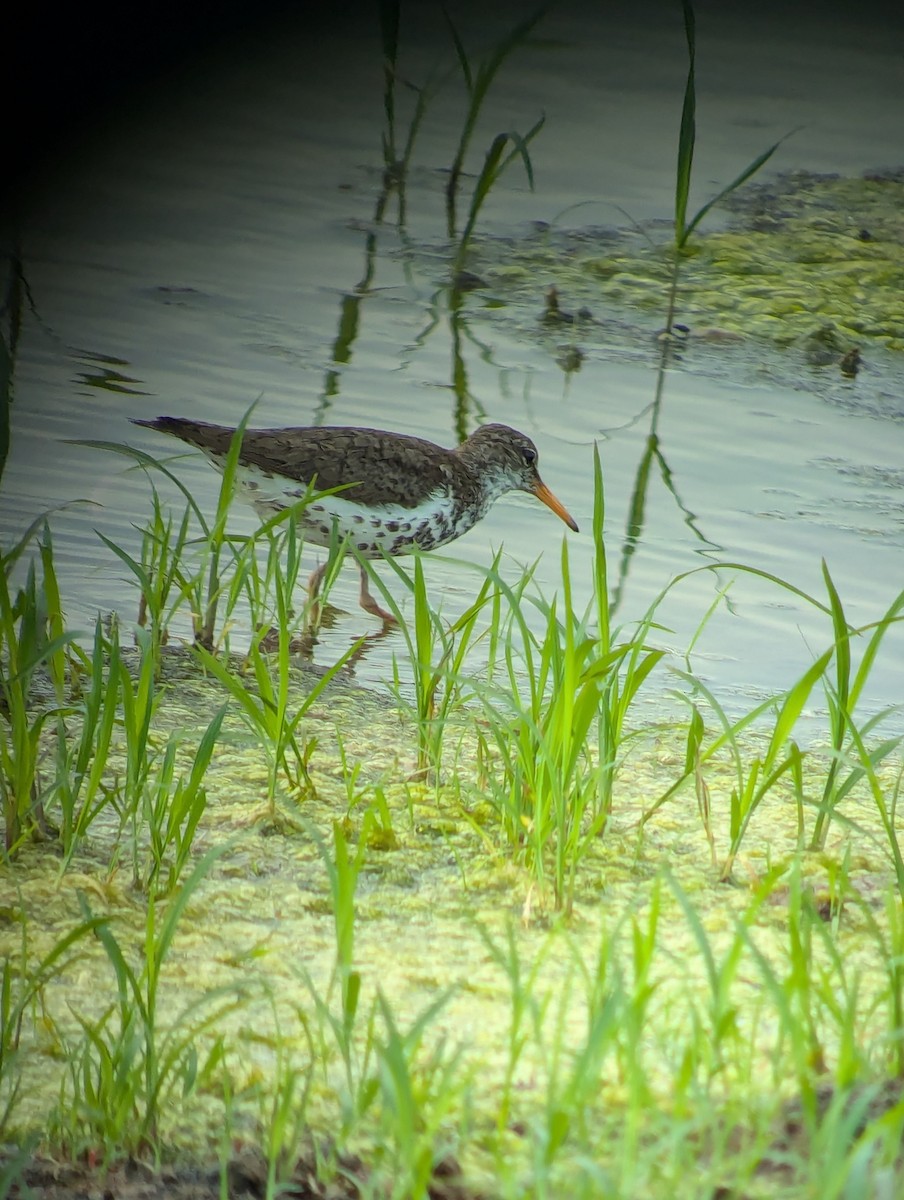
column 792, row 706
column 460, row 52
column 750, row 169
column 600, row 573
column 687, row 135
column 891, row 617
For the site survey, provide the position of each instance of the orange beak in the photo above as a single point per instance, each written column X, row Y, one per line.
column 542, row 492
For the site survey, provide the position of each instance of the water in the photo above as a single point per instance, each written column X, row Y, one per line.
column 205, row 246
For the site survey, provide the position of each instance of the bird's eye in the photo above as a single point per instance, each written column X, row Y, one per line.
column 530, row 455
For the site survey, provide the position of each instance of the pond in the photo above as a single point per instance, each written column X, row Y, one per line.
column 214, row 243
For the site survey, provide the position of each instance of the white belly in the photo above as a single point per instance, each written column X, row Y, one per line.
column 389, row 529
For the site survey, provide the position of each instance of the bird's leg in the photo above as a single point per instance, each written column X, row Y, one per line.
column 316, row 580
column 314, row 583
column 370, row 605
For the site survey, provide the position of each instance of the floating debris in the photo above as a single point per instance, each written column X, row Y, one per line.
column 850, row 364
column 570, row 358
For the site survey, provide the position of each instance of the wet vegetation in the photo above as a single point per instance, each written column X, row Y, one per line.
column 635, row 990
column 497, row 932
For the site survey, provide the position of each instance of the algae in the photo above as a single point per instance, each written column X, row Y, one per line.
column 801, row 254
column 262, row 924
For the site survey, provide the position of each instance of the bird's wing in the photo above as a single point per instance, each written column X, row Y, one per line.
column 382, row 468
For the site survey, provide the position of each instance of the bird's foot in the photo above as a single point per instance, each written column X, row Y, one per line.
column 369, row 604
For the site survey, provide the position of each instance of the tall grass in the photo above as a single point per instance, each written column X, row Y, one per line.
column 852, row 759
column 130, row 1067
column 687, row 139
column 503, row 151
column 558, row 708
column 404, row 1093
column 655, row 1082
column 558, row 726
column 161, row 571
column 559, row 712
column 172, row 810
column 80, row 786
column 32, row 640
column 437, row 651
column 683, row 228
column 478, row 80
column 284, row 1095
column 22, row 983
column 273, row 711
column 844, row 690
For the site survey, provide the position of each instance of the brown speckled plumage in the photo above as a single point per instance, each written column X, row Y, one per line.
column 397, row 490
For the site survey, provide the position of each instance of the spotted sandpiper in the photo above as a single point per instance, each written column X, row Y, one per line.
column 399, row 492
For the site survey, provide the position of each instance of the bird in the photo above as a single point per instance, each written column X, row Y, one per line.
column 398, row 492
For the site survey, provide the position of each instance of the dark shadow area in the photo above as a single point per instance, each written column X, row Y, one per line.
column 65, row 71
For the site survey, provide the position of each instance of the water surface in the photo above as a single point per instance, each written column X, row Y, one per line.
column 214, row 243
